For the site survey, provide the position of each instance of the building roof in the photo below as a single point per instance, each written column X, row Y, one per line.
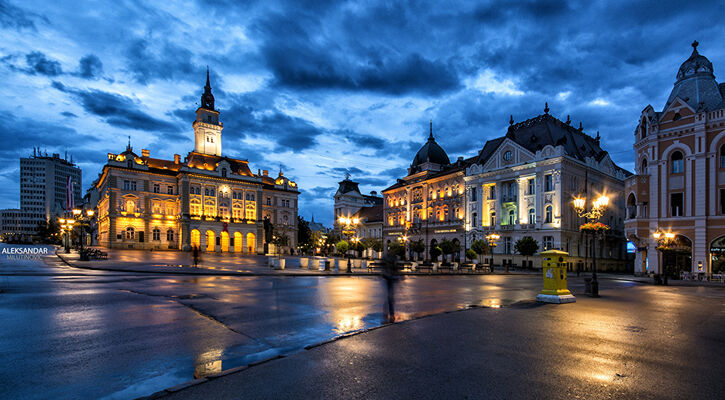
column 206, row 161
column 371, row 214
column 696, row 83
column 430, row 152
column 347, row 185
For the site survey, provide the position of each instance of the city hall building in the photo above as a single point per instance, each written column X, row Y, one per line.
column 206, row 200
column 679, row 186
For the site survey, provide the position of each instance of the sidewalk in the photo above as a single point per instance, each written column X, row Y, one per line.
column 611, row 347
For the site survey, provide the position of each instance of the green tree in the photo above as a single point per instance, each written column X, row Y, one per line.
column 470, row 254
column 481, row 248
column 449, row 247
column 279, row 241
column 418, row 247
column 396, row 249
column 342, row 247
column 526, row 246
column 435, row 251
column 305, row 238
column 378, row 246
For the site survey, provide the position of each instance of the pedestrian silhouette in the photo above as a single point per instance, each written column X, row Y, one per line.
column 390, row 275
column 195, row 254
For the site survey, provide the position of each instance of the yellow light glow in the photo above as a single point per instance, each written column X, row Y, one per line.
column 656, row 235
column 579, row 202
column 670, row 235
column 61, row 220
column 71, row 221
column 355, row 220
column 90, row 213
column 603, row 201
column 76, row 211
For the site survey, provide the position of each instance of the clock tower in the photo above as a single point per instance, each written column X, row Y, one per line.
column 207, row 128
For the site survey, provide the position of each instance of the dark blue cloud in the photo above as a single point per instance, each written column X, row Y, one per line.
column 165, row 61
column 90, row 67
column 117, row 110
column 39, row 63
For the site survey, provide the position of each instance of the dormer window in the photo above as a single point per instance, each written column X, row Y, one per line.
column 224, row 172
column 676, row 117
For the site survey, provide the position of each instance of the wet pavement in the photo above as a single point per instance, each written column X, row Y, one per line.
column 74, row 333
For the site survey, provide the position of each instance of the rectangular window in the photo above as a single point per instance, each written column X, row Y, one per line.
column 532, row 186
column 548, row 183
column 473, row 194
column 269, row 201
column 170, row 189
column 722, row 201
column 156, row 188
column 548, row 242
column 126, row 185
column 493, row 193
column 474, row 220
column 676, row 204
column 507, row 247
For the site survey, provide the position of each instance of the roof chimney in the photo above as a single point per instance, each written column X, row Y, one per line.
column 177, row 159
column 145, row 153
column 265, row 172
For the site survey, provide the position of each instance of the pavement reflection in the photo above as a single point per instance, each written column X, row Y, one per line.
column 138, row 333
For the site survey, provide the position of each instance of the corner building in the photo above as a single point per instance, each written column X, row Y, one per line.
column 524, row 183
column 679, row 185
column 207, row 199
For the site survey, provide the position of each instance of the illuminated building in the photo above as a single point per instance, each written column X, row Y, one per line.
column 206, row 200
column 680, row 182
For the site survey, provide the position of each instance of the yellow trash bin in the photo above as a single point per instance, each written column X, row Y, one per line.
column 554, row 269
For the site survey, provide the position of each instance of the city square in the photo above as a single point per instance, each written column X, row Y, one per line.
column 373, row 199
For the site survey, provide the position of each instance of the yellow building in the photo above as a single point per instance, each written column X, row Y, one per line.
column 207, row 200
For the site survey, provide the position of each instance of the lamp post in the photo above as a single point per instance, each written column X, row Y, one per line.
column 492, row 238
column 404, row 241
column 664, row 241
column 598, row 207
column 66, row 225
column 83, row 219
column 349, row 227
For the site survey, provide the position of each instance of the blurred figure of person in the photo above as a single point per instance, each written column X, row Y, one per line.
column 195, row 255
column 390, row 275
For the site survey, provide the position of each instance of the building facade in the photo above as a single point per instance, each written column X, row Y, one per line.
column 206, row 200
column 44, row 181
column 523, row 184
column 11, row 223
column 427, row 204
column 679, row 186
column 367, row 209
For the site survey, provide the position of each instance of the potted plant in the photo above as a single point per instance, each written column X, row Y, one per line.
column 471, row 255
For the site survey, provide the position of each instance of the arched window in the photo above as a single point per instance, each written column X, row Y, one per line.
column 643, row 168
column 156, row 234
column 130, row 206
column 512, row 217
column 548, row 214
column 532, row 216
column 722, row 156
column 677, row 162
column 644, row 128
column 130, row 233
column 631, row 206
column 170, row 235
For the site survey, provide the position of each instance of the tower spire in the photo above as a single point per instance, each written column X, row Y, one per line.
column 430, row 136
column 128, row 146
column 207, row 99
column 546, row 107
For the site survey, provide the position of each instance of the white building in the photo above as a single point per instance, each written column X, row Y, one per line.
column 523, row 184
column 368, row 209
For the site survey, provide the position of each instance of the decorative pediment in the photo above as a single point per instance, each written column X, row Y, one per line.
column 550, row 151
column 507, row 153
column 678, row 106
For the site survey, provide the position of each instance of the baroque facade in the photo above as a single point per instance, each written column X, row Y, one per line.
column 206, row 200
column 679, row 186
column 523, row 184
column 427, row 204
column 368, row 209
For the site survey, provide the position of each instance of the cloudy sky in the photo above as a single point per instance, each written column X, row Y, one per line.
column 324, row 88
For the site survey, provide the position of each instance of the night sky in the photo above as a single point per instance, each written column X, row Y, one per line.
column 324, row 88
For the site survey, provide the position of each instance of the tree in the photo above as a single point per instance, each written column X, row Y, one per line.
column 367, row 243
column 49, row 232
column 449, row 247
column 378, row 246
column 470, row 254
column 279, row 241
column 396, row 249
column 342, row 246
column 417, row 247
column 526, row 246
column 481, row 248
column 305, row 238
column 435, row 251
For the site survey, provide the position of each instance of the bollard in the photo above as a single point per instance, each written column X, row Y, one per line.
column 554, row 270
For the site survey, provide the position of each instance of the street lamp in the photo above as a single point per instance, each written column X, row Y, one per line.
column 83, row 220
column 598, row 207
column 349, row 227
column 492, row 238
column 664, row 241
